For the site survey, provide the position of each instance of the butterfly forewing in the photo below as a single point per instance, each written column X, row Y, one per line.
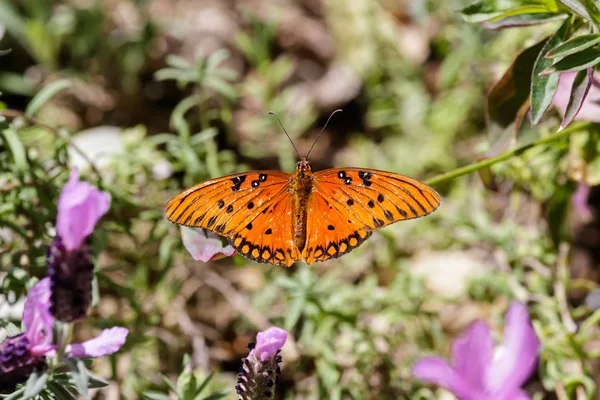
column 226, row 205
column 378, row 198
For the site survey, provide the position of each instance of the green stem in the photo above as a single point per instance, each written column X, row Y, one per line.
column 505, row 156
column 65, row 339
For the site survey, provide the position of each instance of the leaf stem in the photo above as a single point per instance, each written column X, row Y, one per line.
column 505, row 156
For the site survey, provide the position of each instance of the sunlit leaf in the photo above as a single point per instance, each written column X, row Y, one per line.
column 581, row 87
column 543, row 87
column 577, row 7
column 486, row 10
column 522, row 20
column 35, row 384
column 46, row 94
column 573, row 45
column 575, row 62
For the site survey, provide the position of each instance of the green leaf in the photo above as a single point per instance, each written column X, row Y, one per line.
column 573, row 46
column 35, row 384
column 203, row 385
column 178, row 120
column 485, row 10
column 579, row 91
column 150, row 395
column 79, row 376
column 509, row 94
column 5, row 52
column 294, row 312
column 59, row 390
column 176, row 61
column 522, row 20
column 221, row 87
column 17, row 149
column 577, row 7
column 46, row 94
column 575, row 62
column 96, row 382
column 543, row 87
column 168, row 382
column 189, row 388
column 217, row 395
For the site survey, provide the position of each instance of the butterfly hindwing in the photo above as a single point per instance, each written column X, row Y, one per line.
column 268, row 238
column 226, row 205
column 331, row 230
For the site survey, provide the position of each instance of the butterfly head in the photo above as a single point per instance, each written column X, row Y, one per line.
column 303, row 166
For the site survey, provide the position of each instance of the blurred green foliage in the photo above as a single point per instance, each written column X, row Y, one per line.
column 358, row 323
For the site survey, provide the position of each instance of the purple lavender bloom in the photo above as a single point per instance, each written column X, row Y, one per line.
column 476, row 374
column 260, row 370
column 25, row 353
column 70, row 266
column 80, row 206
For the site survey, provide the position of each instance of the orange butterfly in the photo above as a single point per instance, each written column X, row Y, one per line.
column 277, row 218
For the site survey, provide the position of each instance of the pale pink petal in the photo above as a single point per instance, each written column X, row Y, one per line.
column 516, row 394
column 108, row 342
column 37, row 318
column 590, row 110
column 268, row 342
column 204, row 245
column 580, row 201
column 436, row 370
column 80, row 206
column 472, row 354
column 519, row 349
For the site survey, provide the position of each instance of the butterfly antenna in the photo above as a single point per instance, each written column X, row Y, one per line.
column 286, row 134
column 324, row 126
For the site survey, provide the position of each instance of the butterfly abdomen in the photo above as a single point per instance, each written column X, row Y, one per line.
column 301, row 187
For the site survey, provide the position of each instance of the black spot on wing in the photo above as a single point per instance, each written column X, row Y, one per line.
column 211, row 221
column 237, row 182
column 388, row 215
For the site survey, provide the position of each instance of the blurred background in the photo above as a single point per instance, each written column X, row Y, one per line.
column 162, row 94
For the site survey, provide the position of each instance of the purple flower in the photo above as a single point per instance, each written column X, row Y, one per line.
column 590, row 109
column 269, row 342
column 25, row 353
column 204, row 245
column 476, row 374
column 38, row 320
column 80, row 206
column 260, row 370
column 70, row 266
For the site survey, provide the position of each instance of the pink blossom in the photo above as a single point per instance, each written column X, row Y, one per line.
column 269, row 342
column 80, row 206
column 474, row 373
column 38, row 323
column 590, row 109
column 204, row 245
